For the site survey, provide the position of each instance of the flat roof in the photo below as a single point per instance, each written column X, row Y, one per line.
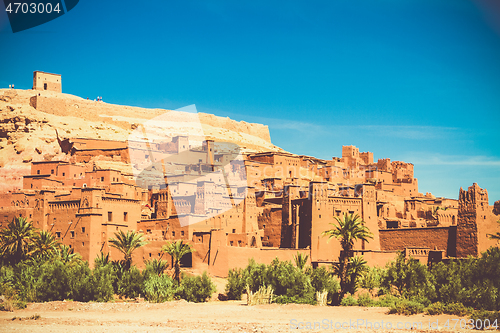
column 46, row 73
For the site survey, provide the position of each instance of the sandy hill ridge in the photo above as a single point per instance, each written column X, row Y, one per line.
column 29, row 120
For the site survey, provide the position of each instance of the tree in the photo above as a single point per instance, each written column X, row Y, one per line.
column 157, row 266
column 102, row 260
column 67, row 255
column 300, row 260
column 177, row 250
column 348, row 229
column 16, row 240
column 45, row 245
column 127, row 243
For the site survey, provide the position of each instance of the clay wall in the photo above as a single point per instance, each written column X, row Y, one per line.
column 50, row 105
column 440, row 238
column 270, row 221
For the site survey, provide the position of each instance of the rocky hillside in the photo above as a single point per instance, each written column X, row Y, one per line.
column 29, row 120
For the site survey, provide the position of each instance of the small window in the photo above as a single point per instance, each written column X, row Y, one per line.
column 125, row 216
column 234, row 231
column 58, row 234
column 102, row 179
column 182, row 233
column 83, row 229
column 72, row 232
column 148, row 231
column 83, row 243
column 37, row 172
column 173, row 233
column 110, row 216
column 52, row 171
column 64, row 174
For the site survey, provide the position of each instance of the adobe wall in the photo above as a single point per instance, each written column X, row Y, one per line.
column 223, row 258
column 440, row 238
column 56, row 106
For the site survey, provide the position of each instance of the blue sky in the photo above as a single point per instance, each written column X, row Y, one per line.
column 417, row 81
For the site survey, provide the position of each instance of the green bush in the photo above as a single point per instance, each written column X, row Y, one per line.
column 131, row 283
column 159, row 288
column 385, row 301
column 286, row 279
column 457, row 309
column 480, row 316
column 406, row 307
column 435, row 309
column 364, row 299
column 322, row 279
column 284, row 299
column 255, row 275
column 474, row 282
column 409, row 278
column 236, row 284
column 196, row 289
column 101, row 283
column 348, row 300
column 372, row 278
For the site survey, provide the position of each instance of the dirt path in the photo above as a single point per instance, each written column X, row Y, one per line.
column 181, row 316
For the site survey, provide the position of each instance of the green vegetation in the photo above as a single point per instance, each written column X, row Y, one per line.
column 34, row 267
column 348, row 229
column 127, row 243
column 177, row 250
column 290, row 284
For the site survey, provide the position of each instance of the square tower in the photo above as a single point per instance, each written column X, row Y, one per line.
column 46, row 81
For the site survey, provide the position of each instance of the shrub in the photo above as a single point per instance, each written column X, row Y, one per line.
column 159, row 288
column 457, row 309
column 484, row 318
column 435, row 309
column 286, row 279
column 406, row 307
column 102, row 283
column 322, row 279
column 348, row 300
column 130, row 284
column 196, row 289
column 235, row 284
column 364, row 299
column 410, row 278
column 372, row 278
column 385, row 301
column 255, row 275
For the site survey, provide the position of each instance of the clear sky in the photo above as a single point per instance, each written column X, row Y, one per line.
column 417, row 81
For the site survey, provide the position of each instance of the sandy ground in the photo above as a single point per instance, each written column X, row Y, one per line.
column 213, row 316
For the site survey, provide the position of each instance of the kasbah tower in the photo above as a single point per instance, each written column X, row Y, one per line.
column 85, row 192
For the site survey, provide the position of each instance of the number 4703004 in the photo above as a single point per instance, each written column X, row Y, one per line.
column 33, row 8
column 470, row 324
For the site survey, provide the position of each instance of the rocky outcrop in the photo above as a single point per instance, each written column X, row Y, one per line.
column 29, row 120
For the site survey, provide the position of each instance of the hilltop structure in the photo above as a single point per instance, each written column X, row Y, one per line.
column 265, row 205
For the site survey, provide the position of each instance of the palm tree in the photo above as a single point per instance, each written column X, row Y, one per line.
column 16, row 240
column 348, row 229
column 44, row 245
column 355, row 268
column 102, row 260
column 300, row 260
column 157, row 266
column 68, row 256
column 177, row 250
column 127, row 243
